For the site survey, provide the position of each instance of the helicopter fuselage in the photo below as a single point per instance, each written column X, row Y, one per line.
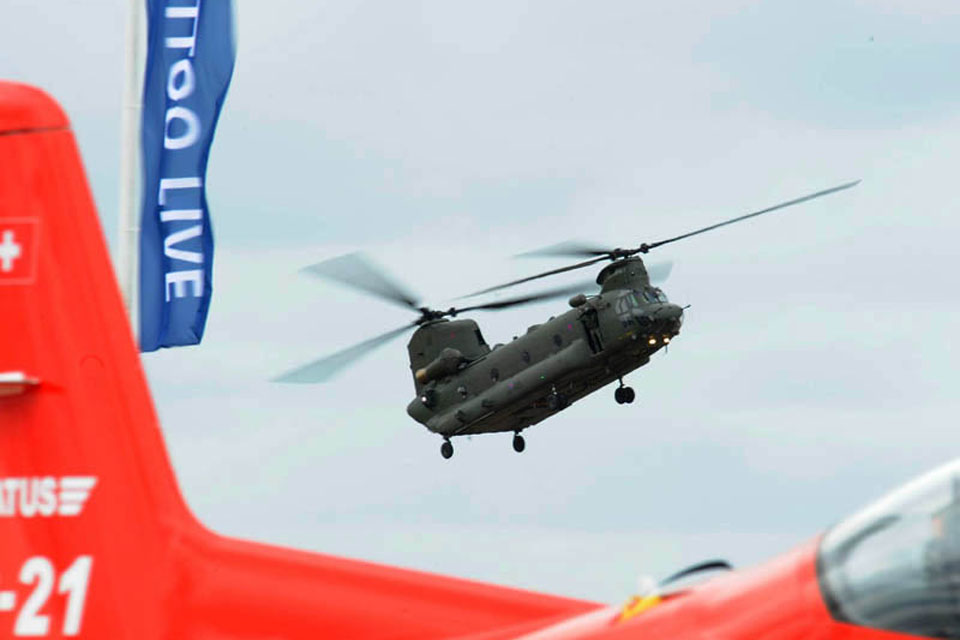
column 465, row 387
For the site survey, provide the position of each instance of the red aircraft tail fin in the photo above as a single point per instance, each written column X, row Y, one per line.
column 86, row 494
column 95, row 539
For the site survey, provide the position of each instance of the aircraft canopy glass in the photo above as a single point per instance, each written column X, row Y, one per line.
column 637, row 299
column 896, row 564
column 654, row 295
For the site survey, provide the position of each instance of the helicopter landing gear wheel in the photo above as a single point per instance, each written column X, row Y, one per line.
column 446, row 449
column 624, row 395
column 519, row 444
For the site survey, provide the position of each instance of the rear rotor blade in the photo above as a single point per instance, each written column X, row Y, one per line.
column 567, row 249
column 646, row 247
column 325, row 368
column 579, row 265
column 355, row 271
column 535, row 297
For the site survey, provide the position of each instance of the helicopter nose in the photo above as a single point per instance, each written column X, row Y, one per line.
column 663, row 315
column 669, row 318
column 671, row 312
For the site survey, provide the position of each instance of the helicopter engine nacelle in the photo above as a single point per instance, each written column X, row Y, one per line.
column 445, row 364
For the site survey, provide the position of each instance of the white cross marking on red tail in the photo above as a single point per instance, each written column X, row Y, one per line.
column 9, row 251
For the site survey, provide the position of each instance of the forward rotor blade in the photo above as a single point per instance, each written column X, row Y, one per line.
column 566, row 249
column 355, row 271
column 536, row 297
column 325, row 368
column 579, row 265
column 659, row 271
column 646, row 247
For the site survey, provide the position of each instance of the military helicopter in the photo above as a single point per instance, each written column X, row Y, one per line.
column 465, row 387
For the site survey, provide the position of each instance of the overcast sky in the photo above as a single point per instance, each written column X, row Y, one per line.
column 816, row 368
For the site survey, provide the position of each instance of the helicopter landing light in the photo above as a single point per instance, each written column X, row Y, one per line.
column 652, row 341
column 666, row 339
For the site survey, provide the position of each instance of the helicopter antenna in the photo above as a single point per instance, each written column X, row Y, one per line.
column 577, row 250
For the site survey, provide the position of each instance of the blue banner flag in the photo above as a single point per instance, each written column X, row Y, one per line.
column 190, row 55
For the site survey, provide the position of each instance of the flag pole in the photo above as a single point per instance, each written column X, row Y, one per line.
column 128, row 238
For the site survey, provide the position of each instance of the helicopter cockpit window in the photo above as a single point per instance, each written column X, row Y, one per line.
column 896, row 564
column 654, row 295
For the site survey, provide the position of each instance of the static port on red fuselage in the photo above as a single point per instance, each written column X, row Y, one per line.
column 464, row 387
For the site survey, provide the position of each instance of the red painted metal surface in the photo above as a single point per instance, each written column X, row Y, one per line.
column 26, row 108
column 779, row 600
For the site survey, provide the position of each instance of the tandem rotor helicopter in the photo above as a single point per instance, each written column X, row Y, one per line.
column 465, row 387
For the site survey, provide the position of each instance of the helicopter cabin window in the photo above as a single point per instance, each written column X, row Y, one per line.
column 557, row 340
column 495, row 374
column 526, row 356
